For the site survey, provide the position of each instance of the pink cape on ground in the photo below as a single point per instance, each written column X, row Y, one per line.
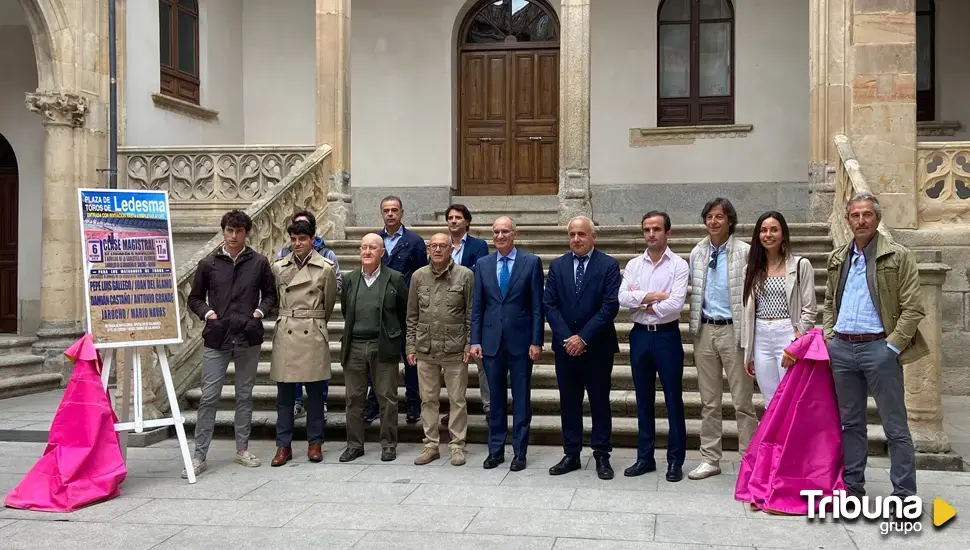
column 82, row 463
column 798, row 445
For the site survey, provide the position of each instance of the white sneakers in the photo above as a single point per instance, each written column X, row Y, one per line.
column 198, row 465
column 247, row 459
column 704, row 470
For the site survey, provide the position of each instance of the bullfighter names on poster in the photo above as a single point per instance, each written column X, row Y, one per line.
column 129, row 268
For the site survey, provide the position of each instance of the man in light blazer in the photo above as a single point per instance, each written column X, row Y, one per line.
column 581, row 305
column 507, row 330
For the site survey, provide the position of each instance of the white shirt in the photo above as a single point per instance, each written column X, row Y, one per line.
column 369, row 279
column 641, row 276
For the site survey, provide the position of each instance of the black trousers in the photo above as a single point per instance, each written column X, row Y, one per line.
column 286, row 398
column 590, row 374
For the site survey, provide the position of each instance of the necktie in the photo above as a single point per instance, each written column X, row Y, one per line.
column 504, row 276
column 580, row 272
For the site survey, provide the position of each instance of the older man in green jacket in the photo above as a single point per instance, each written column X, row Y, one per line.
column 872, row 310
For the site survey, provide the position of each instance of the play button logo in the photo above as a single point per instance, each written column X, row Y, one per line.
column 942, row 512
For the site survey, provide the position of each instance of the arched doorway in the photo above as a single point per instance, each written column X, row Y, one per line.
column 8, row 237
column 508, row 99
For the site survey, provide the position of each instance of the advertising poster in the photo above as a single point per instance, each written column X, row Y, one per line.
column 129, row 268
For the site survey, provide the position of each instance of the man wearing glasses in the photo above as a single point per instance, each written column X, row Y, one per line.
column 717, row 280
column 507, row 330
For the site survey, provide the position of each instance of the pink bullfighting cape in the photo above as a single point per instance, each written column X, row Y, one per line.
column 82, row 463
column 798, row 444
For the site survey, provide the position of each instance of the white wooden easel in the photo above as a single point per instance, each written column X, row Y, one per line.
column 133, row 368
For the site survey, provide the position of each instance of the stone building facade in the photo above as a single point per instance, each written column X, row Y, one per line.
column 603, row 103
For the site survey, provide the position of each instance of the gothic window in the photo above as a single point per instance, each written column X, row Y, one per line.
column 695, row 62
column 925, row 61
column 511, row 21
column 178, row 25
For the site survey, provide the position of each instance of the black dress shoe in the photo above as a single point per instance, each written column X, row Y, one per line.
column 569, row 463
column 350, row 454
column 639, row 468
column 518, row 464
column 492, row 461
column 388, row 454
column 674, row 473
column 371, row 414
column 603, row 468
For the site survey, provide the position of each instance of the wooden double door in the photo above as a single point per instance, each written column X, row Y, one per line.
column 508, row 104
column 8, row 250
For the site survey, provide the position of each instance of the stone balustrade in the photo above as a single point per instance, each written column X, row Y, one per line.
column 943, row 182
column 223, row 173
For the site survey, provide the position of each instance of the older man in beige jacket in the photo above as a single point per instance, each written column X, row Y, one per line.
column 439, row 321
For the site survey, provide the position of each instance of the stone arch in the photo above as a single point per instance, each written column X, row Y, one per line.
column 46, row 18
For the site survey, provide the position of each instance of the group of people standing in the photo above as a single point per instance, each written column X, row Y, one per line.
column 450, row 303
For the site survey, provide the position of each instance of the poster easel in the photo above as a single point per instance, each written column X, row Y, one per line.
column 132, row 380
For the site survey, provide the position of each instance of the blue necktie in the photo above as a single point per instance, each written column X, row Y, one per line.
column 504, row 276
column 580, row 272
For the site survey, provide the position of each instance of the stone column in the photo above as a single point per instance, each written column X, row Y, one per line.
column 333, row 109
column 922, row 377
column 574, row 79
column 64, row 115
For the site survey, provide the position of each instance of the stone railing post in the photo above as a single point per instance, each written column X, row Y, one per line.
column 574, row 84
column 333, row 111
column 922, row 377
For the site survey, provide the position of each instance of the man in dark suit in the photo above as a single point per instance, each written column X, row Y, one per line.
column 404, row 252
column 374, row 303
column 507, row 330
column 465, row 251
column 581, row 304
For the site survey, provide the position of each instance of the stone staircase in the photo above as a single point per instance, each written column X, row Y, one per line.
column 22, row 372
column 548, row 242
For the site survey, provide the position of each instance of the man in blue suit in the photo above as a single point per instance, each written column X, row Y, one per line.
column 507, row 330
column 465, row 251
column 581, row 305
column 405, row 252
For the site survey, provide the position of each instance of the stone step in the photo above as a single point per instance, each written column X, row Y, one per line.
column 19, row 365
column 543, row 376
column 545, row 401
column 482, row 228
column 13, row 344
column 23, row 385
column 545, row 430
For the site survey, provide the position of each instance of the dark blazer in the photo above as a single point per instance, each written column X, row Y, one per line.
column 591, row 314
column 233, row 291
column 410, row 254
column 394, row 312
column 474, row 249
column 515, row 319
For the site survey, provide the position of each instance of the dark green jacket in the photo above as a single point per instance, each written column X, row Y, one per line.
column 394, row 312
column 894, row 287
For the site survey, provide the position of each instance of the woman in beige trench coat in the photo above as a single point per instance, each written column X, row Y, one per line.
column 307, row 285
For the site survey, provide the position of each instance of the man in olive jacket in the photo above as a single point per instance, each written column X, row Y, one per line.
column 439, row 321
column 872, row 310
column 374, row 302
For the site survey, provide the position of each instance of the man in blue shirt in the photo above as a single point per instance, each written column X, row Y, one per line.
column 872, row 311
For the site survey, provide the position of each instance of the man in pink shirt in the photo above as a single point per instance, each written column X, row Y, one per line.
column 654, row 288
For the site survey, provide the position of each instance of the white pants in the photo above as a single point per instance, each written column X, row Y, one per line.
column 771, row 337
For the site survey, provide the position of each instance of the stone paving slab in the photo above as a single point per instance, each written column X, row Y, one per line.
column 380, row 517
column 332, row 492
column 214, row 512
column 564, row 523
column 658, row 502
column 867, row 535
column 30, row 535
column 587, row 544
column 698, row 527
column 540, row 478
column 491, row 497
column 260, row 538
column 422, row 541
column 102, row 512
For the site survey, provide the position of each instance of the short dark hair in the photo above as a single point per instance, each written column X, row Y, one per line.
column 238, row 219
column 728, row 208
column 300, row 228
column 309, row 216
column 655, row 213
column 394, row 198
column 464, row 213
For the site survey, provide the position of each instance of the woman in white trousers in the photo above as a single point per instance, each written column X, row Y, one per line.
column 779, row 302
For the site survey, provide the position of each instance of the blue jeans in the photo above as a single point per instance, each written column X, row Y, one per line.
column 299, row 392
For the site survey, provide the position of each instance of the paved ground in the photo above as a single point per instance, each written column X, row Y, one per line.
column 373, row 504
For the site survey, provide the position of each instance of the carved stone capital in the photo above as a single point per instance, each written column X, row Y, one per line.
column 59, row 108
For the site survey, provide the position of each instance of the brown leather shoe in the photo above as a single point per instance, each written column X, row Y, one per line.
column 283, row 455
column 315, row 453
